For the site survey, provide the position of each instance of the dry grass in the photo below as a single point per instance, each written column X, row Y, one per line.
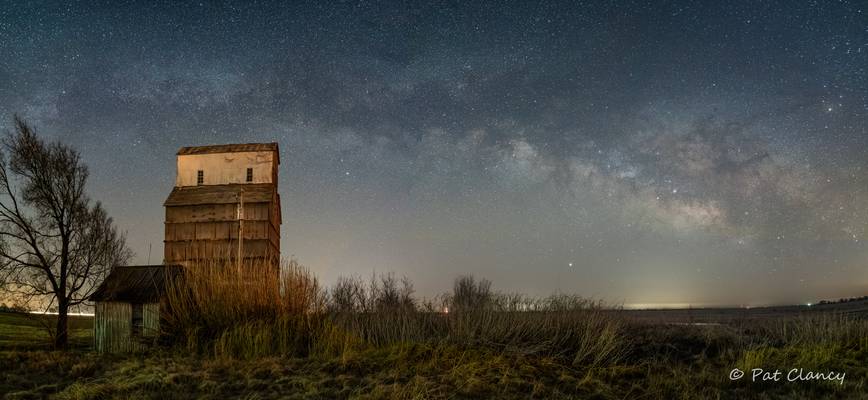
column 263, row 334
column 255, row 311
column 248, row 312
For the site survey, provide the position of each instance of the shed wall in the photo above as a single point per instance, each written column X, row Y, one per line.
column 112, row 327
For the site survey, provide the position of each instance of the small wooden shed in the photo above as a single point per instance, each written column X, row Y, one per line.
column 127, row 307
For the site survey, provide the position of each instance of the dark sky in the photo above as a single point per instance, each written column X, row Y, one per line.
column 639, row 152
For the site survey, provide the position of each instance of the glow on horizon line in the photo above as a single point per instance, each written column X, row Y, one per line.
column 651, row 306
column 673, row 306
column 643, row 306
column 79, row 314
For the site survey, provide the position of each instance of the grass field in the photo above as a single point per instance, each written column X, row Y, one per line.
column 229, row 338
column 662, row 362
column 28, row 331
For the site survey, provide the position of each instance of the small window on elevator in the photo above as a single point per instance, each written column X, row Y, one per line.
column 249, row 174
column 200, row 177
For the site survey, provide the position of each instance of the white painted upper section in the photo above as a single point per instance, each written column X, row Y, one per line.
column 225, row 168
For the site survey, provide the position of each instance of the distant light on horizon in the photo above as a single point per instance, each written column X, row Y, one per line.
column 73, row 314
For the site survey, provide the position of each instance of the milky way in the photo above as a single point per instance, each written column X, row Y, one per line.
column 677, row 152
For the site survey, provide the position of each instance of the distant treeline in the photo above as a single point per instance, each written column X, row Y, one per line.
column 11, row 308
column 844, row 300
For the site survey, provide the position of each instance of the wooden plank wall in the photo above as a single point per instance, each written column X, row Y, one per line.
column 112, row 327
column 220, row 250
column 221, row 212
column 151, row 320
column 210, row 231
column 217, row 230
column 201, row 213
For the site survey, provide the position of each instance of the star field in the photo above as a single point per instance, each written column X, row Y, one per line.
column 639, row 152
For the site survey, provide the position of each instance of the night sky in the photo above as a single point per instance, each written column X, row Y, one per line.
column 639, row 152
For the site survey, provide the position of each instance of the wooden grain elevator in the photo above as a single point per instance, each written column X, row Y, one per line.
column 224, row 206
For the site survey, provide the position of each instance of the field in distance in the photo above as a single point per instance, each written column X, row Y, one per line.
column 28, row 331
column 656, row 354
column 728, row 315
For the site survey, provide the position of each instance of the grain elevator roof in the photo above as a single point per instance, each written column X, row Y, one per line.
column 228, row 148
column 220, row 194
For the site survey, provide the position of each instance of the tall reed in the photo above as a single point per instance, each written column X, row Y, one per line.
column 257, row 310
column 214, row 304
column 474, row 315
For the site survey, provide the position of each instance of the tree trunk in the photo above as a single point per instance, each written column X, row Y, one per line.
column 61, row 338
column 61, row 335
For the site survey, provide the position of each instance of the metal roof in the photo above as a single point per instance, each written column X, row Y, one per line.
column 220, row 194
column 228, row 148
column 136, row 284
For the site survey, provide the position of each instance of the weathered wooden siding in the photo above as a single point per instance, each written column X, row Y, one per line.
column 202, row 220
column 210, row 231
column 112, row 327
column 221, row 212
column 217, row 230
column 151, row 328
column 178, row 252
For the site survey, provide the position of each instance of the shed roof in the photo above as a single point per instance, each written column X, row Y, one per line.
column 220, row 194
column 136, row 284
column 228, row 148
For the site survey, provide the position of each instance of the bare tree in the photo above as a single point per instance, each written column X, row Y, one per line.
column 385, row 295
column 469, row 294
column 55, row 244
column 348, row 295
